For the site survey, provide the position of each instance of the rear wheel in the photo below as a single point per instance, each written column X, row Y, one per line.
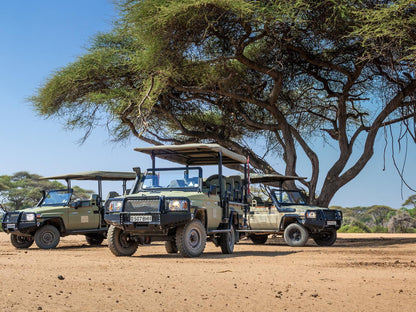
column 21, row 242
column 296, row 235
column 47, row 237
column 170, row 246
column 227, row 241
column 326, row 238
column 259, row 239
column 120, row 242
column 191, row 239
column 94, row 239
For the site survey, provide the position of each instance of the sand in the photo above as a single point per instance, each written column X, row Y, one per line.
column 361, row 272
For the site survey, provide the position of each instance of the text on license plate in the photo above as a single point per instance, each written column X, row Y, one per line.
column 140, row 218
column 11, row 226
column 331, row 222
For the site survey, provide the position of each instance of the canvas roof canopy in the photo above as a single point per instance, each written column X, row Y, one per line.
column 269, row 178
column 195, row 154
column 94, row 175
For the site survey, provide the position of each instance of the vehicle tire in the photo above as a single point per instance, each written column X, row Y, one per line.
column 191, row 239
column 47, row 237
column 21, row 242
column 259, row 239
column 326, row 238
column 94, row 239
column 170, row 246
column 120, row 242
column 296, row 235
column 227, row 241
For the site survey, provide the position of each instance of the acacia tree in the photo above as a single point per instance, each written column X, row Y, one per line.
column 238, row 72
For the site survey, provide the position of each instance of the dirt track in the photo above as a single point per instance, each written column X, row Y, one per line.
column 361, row 272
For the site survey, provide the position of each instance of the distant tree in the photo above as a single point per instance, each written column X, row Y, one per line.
column 379, row 215
column 410, row 202
column 402, row 222
column 277, row 73
column 23, row 190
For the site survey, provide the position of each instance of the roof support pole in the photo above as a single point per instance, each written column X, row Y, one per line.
column 100, row 187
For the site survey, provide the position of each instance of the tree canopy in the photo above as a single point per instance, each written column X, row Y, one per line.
column 263, row 78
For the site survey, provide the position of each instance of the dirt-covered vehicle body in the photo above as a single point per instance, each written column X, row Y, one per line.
column 177, row 205
column 286, row 212
column 58, row 214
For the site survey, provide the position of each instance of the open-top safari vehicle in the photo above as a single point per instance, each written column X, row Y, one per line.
column 286, row 212
column 178, row 206
column 58, row 214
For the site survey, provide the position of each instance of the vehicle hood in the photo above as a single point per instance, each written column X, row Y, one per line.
column 302, row 208
column 173, row 193
column 44, row 209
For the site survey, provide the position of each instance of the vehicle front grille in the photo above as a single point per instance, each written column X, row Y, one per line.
column 142, row 205
column 330, row 214
column 11, row 217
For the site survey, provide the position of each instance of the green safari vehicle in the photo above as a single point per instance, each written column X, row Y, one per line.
column 57, row 214
column 286, row 212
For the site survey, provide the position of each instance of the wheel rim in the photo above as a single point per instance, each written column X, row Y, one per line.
column 48, row 238
column 295, row 235
column 194, row 238
column 125, row 241
column 22, row 239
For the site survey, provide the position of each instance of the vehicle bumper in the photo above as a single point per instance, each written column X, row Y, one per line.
column 160, row 223
column 19, row 228
column 325, row 220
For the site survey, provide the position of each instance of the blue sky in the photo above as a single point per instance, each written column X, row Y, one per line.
column 38, row 37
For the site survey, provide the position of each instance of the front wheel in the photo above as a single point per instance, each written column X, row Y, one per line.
column 326, row 238
column 120, row 242
column 191, row 239
column 227, row 241
column 47, row 237
column 94, row 239
column 170, row 246
column 21, row 242
column 296, row 235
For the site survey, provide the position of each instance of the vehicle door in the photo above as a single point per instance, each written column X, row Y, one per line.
column 82, row 215
column 263, row 217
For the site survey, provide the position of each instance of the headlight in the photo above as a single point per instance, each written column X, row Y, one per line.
column 28, row 217
column 115, row 206
column 177, row 205
column 311, row 214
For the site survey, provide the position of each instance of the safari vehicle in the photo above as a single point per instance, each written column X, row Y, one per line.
column 286, row 212
column 177, row 206
column 57, row 214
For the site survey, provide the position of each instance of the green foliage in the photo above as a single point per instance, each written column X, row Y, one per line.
column 23, row 190
column 352, row 229
column 378, row 219
column 237, row 71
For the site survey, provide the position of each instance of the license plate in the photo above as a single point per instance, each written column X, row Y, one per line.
column 11, row 226
column 331, row 222
column 141, row 219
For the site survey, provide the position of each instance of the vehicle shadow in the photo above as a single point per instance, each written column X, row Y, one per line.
column 86, row 246
column 373, row 242
column 356, row 242
column 218, row 255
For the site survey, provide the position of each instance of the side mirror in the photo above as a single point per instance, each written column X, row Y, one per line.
column 76, row 204
column 212, row 190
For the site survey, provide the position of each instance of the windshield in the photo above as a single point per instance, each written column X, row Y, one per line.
column 285, row 197
column 57, row 198
column 178, row 178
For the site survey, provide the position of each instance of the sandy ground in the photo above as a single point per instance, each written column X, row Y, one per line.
column 361, row 272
